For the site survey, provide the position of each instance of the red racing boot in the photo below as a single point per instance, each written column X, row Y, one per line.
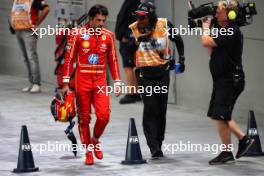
column 97, row 148
column 85, row 139
column 89, row 160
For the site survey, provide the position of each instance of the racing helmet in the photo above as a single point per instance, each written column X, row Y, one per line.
column 63, row 107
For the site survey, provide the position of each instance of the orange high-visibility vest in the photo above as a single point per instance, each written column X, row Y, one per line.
column 21, row 14
column 148, row 55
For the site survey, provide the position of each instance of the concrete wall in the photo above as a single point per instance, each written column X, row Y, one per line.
column 12, row 61
column 193, row 88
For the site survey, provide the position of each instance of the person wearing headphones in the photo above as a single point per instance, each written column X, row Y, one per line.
column 228, row 79
column 153, row 64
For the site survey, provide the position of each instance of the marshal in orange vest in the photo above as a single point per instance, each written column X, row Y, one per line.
column 148, row 55
column 21, row 14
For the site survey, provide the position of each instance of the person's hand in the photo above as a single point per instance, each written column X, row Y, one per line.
column 143, row 38
column 206, row 23
column 117, row 88
column 35, row 26
column 65, row 89
column 180, row 67
column 124, row 40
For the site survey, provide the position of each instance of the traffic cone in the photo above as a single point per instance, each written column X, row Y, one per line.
column 25, row 162
column 133, row 152
column 252, row 132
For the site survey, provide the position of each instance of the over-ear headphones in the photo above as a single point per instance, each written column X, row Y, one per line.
column 231, row 12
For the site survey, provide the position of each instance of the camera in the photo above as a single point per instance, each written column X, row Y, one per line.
column 245, row 13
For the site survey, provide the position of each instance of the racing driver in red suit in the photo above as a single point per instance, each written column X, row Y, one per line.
column 92, row 51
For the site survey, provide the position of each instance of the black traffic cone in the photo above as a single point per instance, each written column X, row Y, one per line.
column 25, row 162
column 133, row 152
column 252, row 132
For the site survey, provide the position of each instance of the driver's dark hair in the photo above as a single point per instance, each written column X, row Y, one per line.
column 98, row 9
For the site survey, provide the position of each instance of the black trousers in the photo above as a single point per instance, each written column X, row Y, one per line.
column 155, row 107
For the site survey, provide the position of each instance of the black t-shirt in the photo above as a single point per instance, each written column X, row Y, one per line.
column 125, row 17
column 39, row 4
column 226, row 58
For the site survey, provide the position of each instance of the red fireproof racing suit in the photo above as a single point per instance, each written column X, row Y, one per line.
column 91, row 54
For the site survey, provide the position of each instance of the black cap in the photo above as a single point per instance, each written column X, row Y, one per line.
column 144, row 9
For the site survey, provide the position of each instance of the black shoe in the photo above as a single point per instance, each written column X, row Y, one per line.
column 157, row 154
column 243, row 146
column 128, row 98
column 223, row 158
